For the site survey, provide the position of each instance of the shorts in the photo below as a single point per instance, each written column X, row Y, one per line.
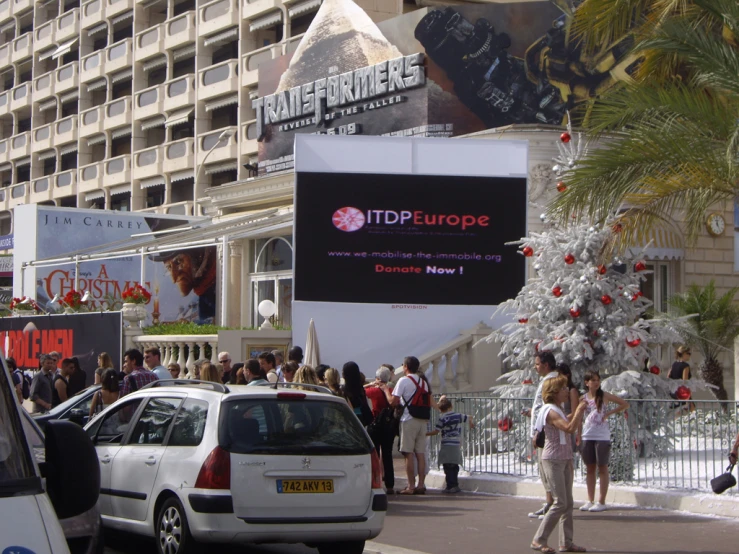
column 595, row 452
column 413, row 435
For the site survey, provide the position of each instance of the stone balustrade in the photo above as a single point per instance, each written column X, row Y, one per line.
column 182, row 349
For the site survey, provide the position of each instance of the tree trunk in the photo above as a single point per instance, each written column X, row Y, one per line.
column 713, row 374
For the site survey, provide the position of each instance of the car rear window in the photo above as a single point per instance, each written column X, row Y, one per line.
column 294, row 426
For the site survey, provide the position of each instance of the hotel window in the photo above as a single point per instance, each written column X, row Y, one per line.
column 658, row 285
column 271, row 278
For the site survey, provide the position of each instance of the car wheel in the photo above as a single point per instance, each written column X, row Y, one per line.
column 172, row 530
column 345, row 547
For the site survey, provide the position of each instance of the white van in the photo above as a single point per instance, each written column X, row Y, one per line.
column 33, row 496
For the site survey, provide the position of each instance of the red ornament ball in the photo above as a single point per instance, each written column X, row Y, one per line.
column 602, row 269
column 528, row 382
column 561, row 187
column 528, row 251
column 557, row 291
column 637, row 294
column 682, row 393
column 633, row 343
column 574, row 312
column 565, row 137
column 523, row 320
column 505, row 424
column 654, row 370
column 640, row 266
column 569, row 259
column 617, row 228
column 606, row 299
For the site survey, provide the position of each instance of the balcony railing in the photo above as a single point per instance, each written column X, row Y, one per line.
column 179, row 92
column 217, row 15
column 180, row 30
column 252, row 61
column 182, row 349
column 218, row 79
column 68, row 25
column 224, row 150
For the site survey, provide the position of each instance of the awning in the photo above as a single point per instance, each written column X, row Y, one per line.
column 661, row 243
column 221, row 102
column 150, row 3
column 121, row 75
column 8, row 26
column 64, row 48
column 266, row 21
column 220, row 167
column 46, row 54
column 47, row 105
column 123, row 17
column 196, row 234
column 94, row 195
column 304, row 7
column 185, row 52
column 96, row 139
column 223, row 36
column 99, row 28
column 97, row 84
column 68, row 149
column 120, row 133
column 46, row 155
column 120, row 189
column 152, row 182
column 157, row 121
column 159, row 61
column 5, row 167
column 180, row 117
column 68, row 96
column 181, row 175
column 23, row 161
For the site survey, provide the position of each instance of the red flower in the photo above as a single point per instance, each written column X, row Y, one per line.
column 136, row 295
column 24, row 303
column 505, row 424
column 73, row 299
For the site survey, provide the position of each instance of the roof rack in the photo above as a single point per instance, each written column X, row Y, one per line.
column 317, row 388
column 218, row 387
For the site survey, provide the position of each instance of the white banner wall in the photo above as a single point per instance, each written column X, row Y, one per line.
column 400, row 242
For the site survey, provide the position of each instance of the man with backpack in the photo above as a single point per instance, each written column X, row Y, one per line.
column 20, row 381
column 413, row 394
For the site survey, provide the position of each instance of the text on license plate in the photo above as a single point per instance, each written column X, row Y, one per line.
column 305, row 486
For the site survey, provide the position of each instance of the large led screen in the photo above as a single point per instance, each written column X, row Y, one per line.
column 408, row 239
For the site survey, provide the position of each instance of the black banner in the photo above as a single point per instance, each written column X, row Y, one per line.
column 83, row 336
column 408, row 239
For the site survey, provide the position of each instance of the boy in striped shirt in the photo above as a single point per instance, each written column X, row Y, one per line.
column 450, row 452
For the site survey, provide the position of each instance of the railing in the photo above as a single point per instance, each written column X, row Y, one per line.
column 655, row 444
column 182, row 349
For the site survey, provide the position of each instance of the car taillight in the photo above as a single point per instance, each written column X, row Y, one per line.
column 291, row 395
column 376, row 471
column 216, row 471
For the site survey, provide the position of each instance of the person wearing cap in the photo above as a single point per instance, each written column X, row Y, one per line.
column 383, row 438
column 193, row 270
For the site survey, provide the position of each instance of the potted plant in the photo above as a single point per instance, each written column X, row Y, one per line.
column 24, row 306
column 73, row 303
column 134, row 300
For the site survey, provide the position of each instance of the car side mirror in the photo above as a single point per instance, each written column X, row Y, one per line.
column 78, row 416
column 72, row 469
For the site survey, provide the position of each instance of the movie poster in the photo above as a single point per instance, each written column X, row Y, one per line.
column 182, row 283
column 83, row 336
column 434, row 72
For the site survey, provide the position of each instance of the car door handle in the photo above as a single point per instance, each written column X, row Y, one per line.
column 105, row 459
column 150, row 461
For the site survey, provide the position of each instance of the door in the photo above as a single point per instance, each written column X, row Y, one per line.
column 295, row 457
column 136, row 465
column 107, row 435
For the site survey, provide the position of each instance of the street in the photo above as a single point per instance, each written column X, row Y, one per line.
column 479, row 524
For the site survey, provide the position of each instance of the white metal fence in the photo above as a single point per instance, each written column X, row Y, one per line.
column 657, row 443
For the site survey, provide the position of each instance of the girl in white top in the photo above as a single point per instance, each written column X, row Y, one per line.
column 596, row 438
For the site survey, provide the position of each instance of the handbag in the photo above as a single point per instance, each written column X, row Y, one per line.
column 540, row 439
column 724, row 481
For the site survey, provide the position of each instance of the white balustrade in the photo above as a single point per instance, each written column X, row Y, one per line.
column 180, row 348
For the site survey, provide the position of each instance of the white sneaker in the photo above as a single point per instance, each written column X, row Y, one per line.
column 586, row 507
column 597, row 508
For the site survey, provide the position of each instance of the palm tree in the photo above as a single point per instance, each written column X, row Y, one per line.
column 713, row 328
column 672, row 135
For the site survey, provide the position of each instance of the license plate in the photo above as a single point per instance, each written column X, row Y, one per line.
column 298, row 486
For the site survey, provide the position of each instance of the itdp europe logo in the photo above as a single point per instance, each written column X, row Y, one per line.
column 348, row 219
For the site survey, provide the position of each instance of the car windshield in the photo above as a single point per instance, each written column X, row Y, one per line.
column 294, row 426
column 72, row 402
column 17, row 472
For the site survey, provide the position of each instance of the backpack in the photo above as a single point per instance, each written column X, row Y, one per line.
column 420, row 404
column 387, row 421
column 25, row 383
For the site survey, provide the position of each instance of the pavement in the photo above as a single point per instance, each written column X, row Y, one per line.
column 473, row 523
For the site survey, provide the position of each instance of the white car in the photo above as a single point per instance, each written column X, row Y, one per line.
column 185, row 461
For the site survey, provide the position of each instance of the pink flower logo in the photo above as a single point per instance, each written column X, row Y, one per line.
column 348, row 219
